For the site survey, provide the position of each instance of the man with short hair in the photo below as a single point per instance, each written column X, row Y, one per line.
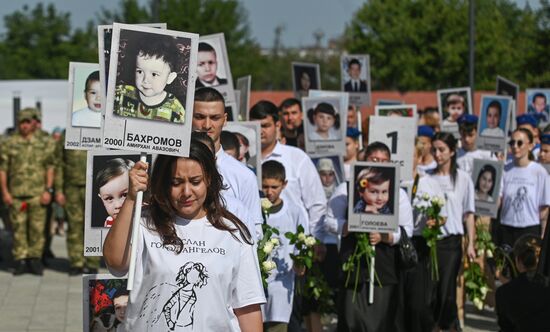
column 209, row 116
column 26, row 179
column 293, row 127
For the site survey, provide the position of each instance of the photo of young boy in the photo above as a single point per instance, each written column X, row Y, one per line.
column 306, row 76
column 374, row 190
column 110, row 187
column 355, row 78
column 86, row 111
column 105, row 302
column 452, row 104
column 494, row 119
column 153, row 79
column 208, row 72
column 537, row 102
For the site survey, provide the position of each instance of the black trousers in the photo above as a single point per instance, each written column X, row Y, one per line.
column 417, row 293
column 449, row 257
column 509, row 234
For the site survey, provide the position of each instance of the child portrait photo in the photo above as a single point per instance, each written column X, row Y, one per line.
column 210, row 65
column 86, row 96
column 537, row 102
column 494, row 115
column 487, row 175
column 244, row 144
column 105, row 302
column 331, row 172
column 355, row 77
column 407, row 111
column 374, row 197
column 452, row 104
column 305, row 76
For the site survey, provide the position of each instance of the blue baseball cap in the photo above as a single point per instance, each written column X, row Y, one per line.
column 353, row 133
column 468, row 118
column 545, row 139
column 527, row 119
column 424, row 130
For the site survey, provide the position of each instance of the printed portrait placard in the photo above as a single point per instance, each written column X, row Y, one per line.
column 106, row 190
column 331, row 171
column 388, row 102
column 305, row 76
column 494, row 122
column 487, row 178
column 104, row 39
column 105, row 299
column 231, row 109
column 398, row 134
column 248, row 133
column 505, row 87
column 84, row 108
column 407, row 111
column 325, row 124
column 150, row 94
column 355, row 74
column 244, row 85
column 213, row 68
column 373, row 204
column 452, row 103
column 537, row 101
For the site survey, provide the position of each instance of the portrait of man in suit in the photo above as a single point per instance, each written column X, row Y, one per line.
column 355, row 84
column 207, row 67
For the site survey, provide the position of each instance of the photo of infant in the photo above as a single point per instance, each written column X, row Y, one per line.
column 86, row 108
column 452, row 104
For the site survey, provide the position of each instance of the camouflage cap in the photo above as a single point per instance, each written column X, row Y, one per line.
column 25, row 114
column 37, row 114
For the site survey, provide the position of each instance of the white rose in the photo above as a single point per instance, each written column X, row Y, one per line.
column 274, row 241
column 310, row 241
column 478, row 303
column 268, row 266
column 268, row 247
column 484, row 291
column 489, row 253
column 426, row 197
column 480, row 252
column 266, row 204
column 301, row 236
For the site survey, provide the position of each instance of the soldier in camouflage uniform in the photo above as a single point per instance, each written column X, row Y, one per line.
column 26, row 179
column 70, row 186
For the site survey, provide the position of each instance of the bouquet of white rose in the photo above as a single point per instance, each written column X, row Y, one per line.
column 265, row 247
column 475, row 284
column 431, row 207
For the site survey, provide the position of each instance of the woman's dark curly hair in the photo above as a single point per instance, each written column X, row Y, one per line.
column 161, row 212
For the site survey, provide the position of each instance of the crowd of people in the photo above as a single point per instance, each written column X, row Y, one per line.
column 197, row 266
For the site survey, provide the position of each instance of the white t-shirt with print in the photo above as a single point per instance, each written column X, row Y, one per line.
column 525, row 190
column 280, row 284
column 459, row 200
column 197, row 289
column 465, row 159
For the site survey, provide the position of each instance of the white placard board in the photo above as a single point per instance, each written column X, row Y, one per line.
column 318, row 139
column 487, row 179
column 492, row 132
column 99, row 294
column 355, row 78
column 249, row 135
column 398, row 134
column 244, row 85
column 147, row 125
column 305, row 76
column 83, row 126
column 408, row 110
column 453, row 103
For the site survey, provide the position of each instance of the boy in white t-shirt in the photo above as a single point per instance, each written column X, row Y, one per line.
column 284, row 216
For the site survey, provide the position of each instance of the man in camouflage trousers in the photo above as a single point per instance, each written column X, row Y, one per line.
column 70, row 186
column 26, row 179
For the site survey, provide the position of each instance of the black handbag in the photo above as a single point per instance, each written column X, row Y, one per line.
column 408, row 257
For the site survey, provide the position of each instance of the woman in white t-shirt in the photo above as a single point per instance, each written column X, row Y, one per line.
column 196, row 268
column 525, row 192
column 458, row 189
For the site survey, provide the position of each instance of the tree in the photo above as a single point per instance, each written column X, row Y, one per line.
column 39, row 43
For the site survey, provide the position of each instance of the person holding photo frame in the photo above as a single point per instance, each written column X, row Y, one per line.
column 194, row 246
column 458, row 189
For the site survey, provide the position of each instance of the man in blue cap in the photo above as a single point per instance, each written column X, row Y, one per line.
column 544, row 154
column 424, row 137
column 530, row 122
column 352, row 148
column 467, row 126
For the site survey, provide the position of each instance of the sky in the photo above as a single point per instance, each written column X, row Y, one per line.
column 300, row 18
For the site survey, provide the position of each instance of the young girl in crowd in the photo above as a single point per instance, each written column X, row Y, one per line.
column 196, row 268
column 326, row 123
column 112, row 182
column 486, row 183
column 458, row 190
column 374, row 188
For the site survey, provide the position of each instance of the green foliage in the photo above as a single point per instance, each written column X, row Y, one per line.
column 265, row 248
column 475, row 284
column 363, row 250
column 39, row 43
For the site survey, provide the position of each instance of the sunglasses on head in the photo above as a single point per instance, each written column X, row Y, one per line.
column 513, row 142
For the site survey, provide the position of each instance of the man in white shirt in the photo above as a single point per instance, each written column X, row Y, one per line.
column 209, row 116
column 304, row 186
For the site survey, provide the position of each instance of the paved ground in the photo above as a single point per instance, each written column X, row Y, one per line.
column 54, row 302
